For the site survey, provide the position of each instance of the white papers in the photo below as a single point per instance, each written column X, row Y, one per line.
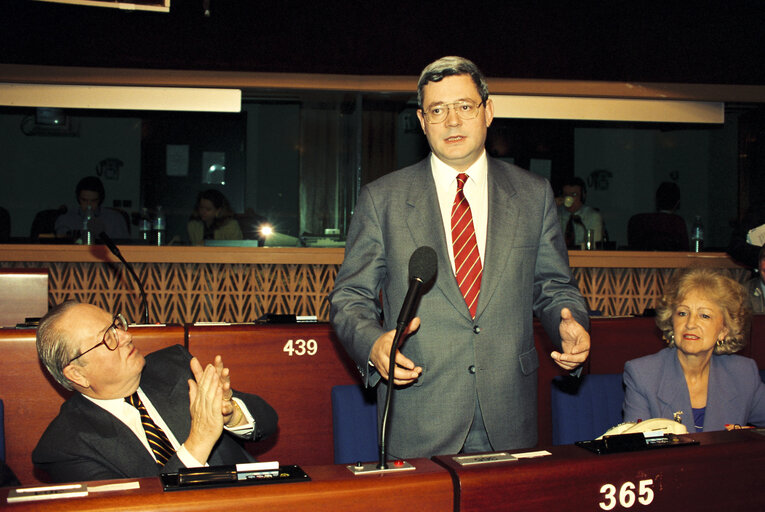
column 47, row 492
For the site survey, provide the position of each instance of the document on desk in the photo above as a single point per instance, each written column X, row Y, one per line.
column 52, row 492
column 122, row 486
column 47, row 492
column 532, row 455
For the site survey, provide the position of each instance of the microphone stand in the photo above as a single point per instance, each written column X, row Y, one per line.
column 115, row 250
column 383, row 462
column 406, row 311
column 423, row 265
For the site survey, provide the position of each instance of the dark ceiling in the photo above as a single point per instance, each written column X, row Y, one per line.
column 692, row 42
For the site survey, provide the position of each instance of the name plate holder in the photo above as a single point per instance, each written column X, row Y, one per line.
column 257, row 473
column 638, row 441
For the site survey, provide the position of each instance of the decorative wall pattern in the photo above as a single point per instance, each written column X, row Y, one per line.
column 629, row 291
column 239, row 292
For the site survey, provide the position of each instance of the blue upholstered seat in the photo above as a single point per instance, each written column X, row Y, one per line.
column 583, row 409
column 354, row 424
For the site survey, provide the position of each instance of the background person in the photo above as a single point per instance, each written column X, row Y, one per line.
column 697, row 378
column 576, row 218
column 468, row 376
column 756, row 286
column 663, row 230
column 99, row 435
column 212, row 219
column 90, row 192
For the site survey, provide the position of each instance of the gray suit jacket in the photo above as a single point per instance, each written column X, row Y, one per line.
column 656, row 388
column 525, row 273
column 85, row 442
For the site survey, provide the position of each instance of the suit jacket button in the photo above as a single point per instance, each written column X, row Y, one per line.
column 471, row 368
column 476, row 329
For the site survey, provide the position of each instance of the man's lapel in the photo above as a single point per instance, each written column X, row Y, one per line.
column 112, row 438
column 503, row 224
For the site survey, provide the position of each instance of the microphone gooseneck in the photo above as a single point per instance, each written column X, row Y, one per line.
column 423, row 265
column 108, row 242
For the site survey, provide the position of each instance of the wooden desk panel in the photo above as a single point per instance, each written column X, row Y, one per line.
column 297, row 385
column 331, row 489
column 23, row 294
column 32, row 398
column 615, row 341
column 723, row 473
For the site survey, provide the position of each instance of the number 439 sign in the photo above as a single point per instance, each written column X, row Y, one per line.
column 301, row 347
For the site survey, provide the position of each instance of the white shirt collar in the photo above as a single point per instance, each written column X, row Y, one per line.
column 445, row 175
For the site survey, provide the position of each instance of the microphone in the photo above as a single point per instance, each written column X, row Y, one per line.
column 423, row 265
column 108, row 242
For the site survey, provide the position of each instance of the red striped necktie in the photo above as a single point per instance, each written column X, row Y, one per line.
column 467, row 261
column 158, row 441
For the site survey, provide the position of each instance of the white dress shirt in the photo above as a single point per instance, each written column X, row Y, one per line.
column 476, row 192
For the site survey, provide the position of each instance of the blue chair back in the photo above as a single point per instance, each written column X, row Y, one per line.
column 762, row 375
column 354, row 424
column 2, row 432
column 583, row 409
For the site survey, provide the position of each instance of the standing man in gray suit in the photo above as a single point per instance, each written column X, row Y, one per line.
column 467, row 374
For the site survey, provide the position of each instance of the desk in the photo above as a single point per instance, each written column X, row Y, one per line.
column 332, row 488
column 724, row 472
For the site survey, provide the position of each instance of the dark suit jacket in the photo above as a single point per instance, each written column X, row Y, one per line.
column 656, row 388
column 85, row 442
column 756, row 297
column 525, row 273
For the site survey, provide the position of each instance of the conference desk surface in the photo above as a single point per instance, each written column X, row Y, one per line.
column 722, row 472
column 332, row 488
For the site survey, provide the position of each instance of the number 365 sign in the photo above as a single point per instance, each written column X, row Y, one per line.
column 627, row 494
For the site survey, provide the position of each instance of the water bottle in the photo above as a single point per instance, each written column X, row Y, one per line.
column 144, row 227
column 159, row 226
column 87, row 224
column 697, row 235
column 589, row 240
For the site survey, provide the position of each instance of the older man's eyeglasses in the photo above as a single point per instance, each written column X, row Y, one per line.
column 466, row 109
column 111, row 339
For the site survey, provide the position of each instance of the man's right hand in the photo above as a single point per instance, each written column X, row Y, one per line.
column 406, row 371
column 205, row 399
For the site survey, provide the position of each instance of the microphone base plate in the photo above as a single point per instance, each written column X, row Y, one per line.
column 370, row 468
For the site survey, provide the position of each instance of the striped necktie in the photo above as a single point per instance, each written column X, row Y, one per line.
column 467, row 261
column 158, row 441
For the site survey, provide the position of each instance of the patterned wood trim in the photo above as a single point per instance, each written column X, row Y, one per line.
column 629, row 291
column 184, row 292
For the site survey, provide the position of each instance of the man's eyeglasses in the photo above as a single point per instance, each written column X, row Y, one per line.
column 466, row 109
column 111, row 339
